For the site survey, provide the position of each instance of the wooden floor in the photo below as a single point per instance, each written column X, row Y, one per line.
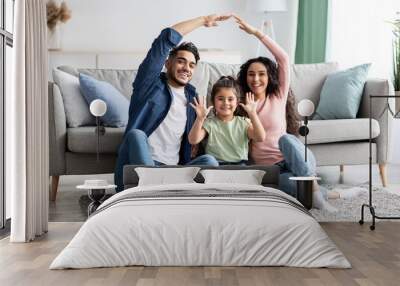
column 374, row 255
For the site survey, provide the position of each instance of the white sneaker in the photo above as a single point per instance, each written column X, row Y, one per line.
column 349, row 193
column 320, row 203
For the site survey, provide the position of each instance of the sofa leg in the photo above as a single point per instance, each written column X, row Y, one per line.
column 54, row 188
column 382, row 172
column 341, row 167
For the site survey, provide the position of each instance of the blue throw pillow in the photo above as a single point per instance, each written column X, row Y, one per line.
column 341, row 93
column 117, row 104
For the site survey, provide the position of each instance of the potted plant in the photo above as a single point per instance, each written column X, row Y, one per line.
column 396, row 59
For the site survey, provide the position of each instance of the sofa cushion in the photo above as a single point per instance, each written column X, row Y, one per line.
column 84, row 139
column 117, row 105
column 120, row 79
column 76, row 108
column 218, row 70
column 341, row 93
column 307, row 80
column 200, row 78
column 339, row 130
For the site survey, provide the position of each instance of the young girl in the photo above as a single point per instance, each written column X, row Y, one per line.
column 228, row 134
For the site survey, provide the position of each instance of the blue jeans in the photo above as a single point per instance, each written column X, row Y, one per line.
column 294, row 164
column 136, row 145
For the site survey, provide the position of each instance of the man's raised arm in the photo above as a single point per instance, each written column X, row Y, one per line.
column 188, row 26
column 152, row 65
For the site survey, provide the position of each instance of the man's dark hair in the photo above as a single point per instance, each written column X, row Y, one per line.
column 185, row 46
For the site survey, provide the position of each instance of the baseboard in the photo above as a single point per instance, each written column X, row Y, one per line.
column 5, row 231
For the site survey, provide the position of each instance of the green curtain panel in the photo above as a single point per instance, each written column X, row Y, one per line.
column 311, row 31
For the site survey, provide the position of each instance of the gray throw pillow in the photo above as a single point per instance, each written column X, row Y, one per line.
column 120, row 79
column 76, row 108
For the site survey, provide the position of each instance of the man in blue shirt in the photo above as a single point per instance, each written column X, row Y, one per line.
column 160, row 116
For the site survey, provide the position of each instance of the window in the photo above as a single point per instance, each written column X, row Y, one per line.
column 359, row 33
column 6, row 44
column 9, row 15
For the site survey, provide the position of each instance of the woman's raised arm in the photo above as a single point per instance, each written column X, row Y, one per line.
column 281, row 57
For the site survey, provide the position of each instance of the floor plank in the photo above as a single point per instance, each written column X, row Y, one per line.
column 374, row 255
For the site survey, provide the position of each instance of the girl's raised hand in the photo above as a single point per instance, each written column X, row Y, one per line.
column 251, row 105
column 244, row 25
column 200, row 107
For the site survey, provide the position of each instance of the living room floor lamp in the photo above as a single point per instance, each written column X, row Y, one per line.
column 305, row 109
column 305, row 184
column 98, row 108
column 266, row 7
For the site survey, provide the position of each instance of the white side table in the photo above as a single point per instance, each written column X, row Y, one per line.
column 96, row 194
column 304, row 190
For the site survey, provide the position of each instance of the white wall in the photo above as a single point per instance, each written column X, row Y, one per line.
column 131, row 25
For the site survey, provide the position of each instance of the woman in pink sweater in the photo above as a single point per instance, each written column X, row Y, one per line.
column 269, row 81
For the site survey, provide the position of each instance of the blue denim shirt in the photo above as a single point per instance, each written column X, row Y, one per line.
column 151, row 98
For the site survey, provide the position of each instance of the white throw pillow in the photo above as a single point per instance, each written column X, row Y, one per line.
column 166, row 176
column 248, row 177
column 76, row 108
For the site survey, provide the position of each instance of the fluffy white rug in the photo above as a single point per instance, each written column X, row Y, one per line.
column 385, row 202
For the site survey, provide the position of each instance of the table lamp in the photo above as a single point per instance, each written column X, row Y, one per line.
column 305, row 108
column 98, row 108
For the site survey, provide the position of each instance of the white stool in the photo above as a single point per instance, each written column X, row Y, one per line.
column 96, row 192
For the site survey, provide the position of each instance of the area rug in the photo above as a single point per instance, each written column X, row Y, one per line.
column 385, row 203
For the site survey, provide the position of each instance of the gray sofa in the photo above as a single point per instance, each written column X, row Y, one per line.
column 334, row 142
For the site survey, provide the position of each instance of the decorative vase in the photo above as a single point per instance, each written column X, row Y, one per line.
column 54, row 39
column 397, row 108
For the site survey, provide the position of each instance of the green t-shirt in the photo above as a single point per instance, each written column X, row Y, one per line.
column 227, row 141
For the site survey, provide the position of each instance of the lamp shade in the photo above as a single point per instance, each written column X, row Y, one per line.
column 266, row 5
column 305, row 107
column 98, row 107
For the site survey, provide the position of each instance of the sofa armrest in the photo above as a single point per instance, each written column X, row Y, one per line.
column 57, row 132
column 378, row 87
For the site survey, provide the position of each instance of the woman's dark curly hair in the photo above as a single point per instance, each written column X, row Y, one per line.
column 292, row 118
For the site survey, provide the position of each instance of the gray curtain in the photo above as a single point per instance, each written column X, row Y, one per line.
column 27, row 124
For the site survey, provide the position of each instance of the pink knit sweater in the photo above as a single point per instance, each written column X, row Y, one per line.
column 273, row 118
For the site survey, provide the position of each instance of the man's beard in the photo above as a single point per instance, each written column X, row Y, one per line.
column 173, row 78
